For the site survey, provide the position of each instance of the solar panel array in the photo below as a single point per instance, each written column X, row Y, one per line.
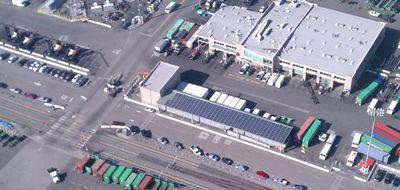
column 230, row 117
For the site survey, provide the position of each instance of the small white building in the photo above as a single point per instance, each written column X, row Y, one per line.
column 20, row 3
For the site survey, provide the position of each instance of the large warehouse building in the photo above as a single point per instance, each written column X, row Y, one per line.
column 298, row 38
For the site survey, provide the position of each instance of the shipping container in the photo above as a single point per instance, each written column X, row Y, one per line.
column 179, row 37
column 309, row 136
column 228, row 100
column 382, row 139
column 118, row 172
column 187, row 26
column 366, row 93
column 138, row 179
column 304, row 127
column 127, row 172
column 215, row 96
column 374, row 153
column 82, row 163
column 271, row 81
column 128, row 182
column 222, row 98
column 163, row 185
column 146, row 183
column 102, row 170
column 97, row 165
column 386, row 135
column 241, row 104
column 157, row 183
column 174, row 30
column 171, row 186
column 387, row 129
column 376, row 143
column 107, row 177
column 234, row 102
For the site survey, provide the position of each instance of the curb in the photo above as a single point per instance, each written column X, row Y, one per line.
column 230, row 138
column 97, row 23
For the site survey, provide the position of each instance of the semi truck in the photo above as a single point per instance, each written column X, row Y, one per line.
column 367, row 92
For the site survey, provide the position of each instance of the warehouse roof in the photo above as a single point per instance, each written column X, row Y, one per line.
column 332, row 41
column 230, row 24
column 159, row 76
column 231, row 117
column 276, row 27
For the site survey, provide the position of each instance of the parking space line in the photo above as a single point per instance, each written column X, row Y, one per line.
column 147, row 35
column 216, row 139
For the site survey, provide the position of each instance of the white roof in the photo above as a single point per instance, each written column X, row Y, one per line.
column 275, row 28
column 332, row 41
column 230, row 25
column 159, row 76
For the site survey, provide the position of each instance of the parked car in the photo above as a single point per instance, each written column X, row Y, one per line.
column 250, row 71
column 266, row 77
column 120, row 123
column 3, row 85
column 30, row 95
column 82, row 81
column 12, row 59
column 281, row 181
column 56, row 73
column 389, row 178
column 150, row 110
column 179, row 145
column 396, row 182
column 76, row 78
column 69, row 76
column 163, row 140
column 380, row 174
column 134, row 129
column 262, row 174
column 244, row 68
column 54, row 175
column 49, row 70
column 43, row 68
column 146, row 133
column 299, row 187
column 27, row 65
column 36, row 66
column 227, row 160
column 241, row 167
column 63, row 74
column 260, row 75
column 4, row 56
column 22, row 62
column 44, row 99
column 213, row 157
column 16, row 90
column 196, row 150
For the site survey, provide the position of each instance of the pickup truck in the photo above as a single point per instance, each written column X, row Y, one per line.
column 53, row 172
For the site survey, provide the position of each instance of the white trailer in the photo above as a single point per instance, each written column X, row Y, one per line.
column 234, row 102
column 222, row 98
column 188, row 89
column 325, row 151
column 241, row 104
column 280, row 81
column 373, row 104
column 272, row 79
column 215, row 96
column 392, row 107
column 228, row 100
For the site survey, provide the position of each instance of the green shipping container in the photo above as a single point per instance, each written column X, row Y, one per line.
column 117, row 174
column 366, row 93
column 107, row 176
column 174, row 30
column 171, row 186
column 137, row 180
column 124, row 176
column 163, row 185
column 157, row 183
column 376, row 143
column 187, row 26
column 308, row 137
column 128, row 182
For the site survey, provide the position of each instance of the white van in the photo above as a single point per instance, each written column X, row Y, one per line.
column 170, row 7
column 356, row 140
column 331, row 139
column 161, row 45
column 325, row 151
column 352, row 157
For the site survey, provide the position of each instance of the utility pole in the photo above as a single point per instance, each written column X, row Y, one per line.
column 374, row 113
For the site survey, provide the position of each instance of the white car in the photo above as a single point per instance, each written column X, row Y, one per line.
column 281, row 181
column 373, row 13
column 54, row 175
column 150, row 110
column 76, row 78
column 260, row 75
column 323, row 137
column 41, row 69
column 196, row 150
column 12, row 59
column 16, row 90
column 266, row 77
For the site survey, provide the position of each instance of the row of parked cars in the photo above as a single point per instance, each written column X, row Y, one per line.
column 35, row 66
column 29, row 95
column 273, row 79
column 388, row 178
column 10, row 140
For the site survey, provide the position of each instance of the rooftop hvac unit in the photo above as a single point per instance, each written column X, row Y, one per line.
column 351, row 50
column 310, row 51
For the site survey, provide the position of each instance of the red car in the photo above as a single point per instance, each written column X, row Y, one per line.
column 262, row 175
column 118, row 123
column 30, row 95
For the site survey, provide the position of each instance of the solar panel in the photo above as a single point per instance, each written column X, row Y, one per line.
column 230, row 117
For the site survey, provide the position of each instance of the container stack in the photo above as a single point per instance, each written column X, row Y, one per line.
column 128, row 178
column 383, row 143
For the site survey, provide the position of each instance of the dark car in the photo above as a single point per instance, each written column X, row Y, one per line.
column 3, row 85
column 30, row 95
column 63, row 74
column 22, row 62
column 299, row 187
column 248, row 2
column 396, row 182
column 120, row 123
column 163, row 140
column 146, row 133
column 389, row 178
column 56, row 73
column 250, row 71
column 49, row 70
column 134, row 129
column 227, row 160
column 380, row 174
column 4, row 56
column 69, row 76
column 179, row 145
column 82, row 81
column 44, row 99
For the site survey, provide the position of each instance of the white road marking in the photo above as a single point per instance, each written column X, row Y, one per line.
column 72, row 98
column 203, row 135
column 227, row 142
column 216, row 139
column 64, row 97
column 116, row 51
column 155, row 54
column 144, row 34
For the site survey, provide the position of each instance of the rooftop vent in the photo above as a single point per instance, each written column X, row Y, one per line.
column 225, row 28
column 223, row 16
column 226, row 35
column 354, row 28
column 324, row 31
column 209, row 23
column 310, row 51
column 338, row 45
column 336, row 35
column 308, row 27
column 351, row 38
column 314, row 17
column 316, row 30
column 351, row 62
column 362, row 42
column 340, row 24
column 303, row 47
column 308, row 42
column 351, row 50
column 323, row 20
column 237, row 13
column 323, row 42
column 363, row 31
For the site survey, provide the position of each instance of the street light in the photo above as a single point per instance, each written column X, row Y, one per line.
column 374, row 113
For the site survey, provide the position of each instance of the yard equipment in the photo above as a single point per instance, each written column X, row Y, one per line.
column 114, row 86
